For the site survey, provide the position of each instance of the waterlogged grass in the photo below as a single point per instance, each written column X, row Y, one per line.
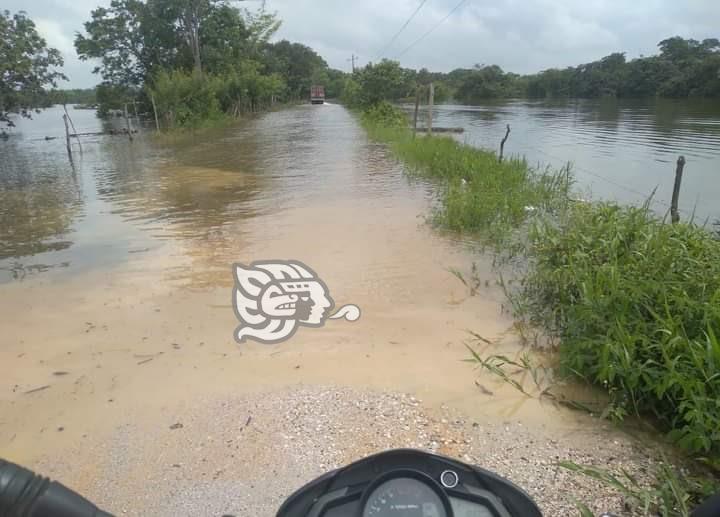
column 478, row 194
column 481, row 195
column 636, row 305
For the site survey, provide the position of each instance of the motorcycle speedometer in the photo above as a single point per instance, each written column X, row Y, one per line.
column 405, row 493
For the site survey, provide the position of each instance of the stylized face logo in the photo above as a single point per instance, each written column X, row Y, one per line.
column 304, row 300
column 271, row 299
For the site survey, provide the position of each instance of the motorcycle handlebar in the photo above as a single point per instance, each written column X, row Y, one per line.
column 25, row 494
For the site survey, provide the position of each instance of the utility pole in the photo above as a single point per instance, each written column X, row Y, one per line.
column 352, row 59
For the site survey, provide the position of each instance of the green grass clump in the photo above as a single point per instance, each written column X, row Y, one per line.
column 478, row 194
column 636, row 303
column 481, row 195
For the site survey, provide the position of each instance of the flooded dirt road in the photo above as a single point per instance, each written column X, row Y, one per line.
column 116, row 301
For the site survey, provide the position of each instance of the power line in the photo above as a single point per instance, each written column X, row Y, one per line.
column 458, row 6
column 392, row 40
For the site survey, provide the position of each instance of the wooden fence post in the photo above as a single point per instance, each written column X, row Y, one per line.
column 417, row 106
column 157, row 123
column 502, row 143
column 430, row 109
column 72, row 124
column 67, row 136
column 674, row 215
column 127, row 122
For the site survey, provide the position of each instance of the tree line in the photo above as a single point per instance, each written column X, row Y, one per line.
column 202, row 60
column 682, row 68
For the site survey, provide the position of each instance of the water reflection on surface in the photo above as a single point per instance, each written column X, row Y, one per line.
column 200, row 192
column 620, row 149
column 218, row 194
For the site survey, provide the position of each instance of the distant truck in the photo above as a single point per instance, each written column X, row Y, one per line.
column 317, row 94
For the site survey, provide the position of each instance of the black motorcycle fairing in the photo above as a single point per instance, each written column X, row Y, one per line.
column 347, row 484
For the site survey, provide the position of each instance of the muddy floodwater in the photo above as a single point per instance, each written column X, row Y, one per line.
column 115, row 280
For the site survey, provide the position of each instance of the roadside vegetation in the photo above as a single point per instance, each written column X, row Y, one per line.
column 630, row 301
column 635, row 303
column 478, row 195
column 201, row 62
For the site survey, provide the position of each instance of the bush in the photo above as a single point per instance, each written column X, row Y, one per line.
column 636, row 303
column 384, row 114
column 192, row 100
column 185, row 99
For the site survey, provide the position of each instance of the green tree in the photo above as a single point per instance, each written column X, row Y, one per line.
column 384, row 81
column 134, row 40
column 27, row 66
column 225, row 39
column 300, row 65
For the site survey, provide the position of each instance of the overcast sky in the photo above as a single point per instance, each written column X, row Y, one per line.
column 519, row 35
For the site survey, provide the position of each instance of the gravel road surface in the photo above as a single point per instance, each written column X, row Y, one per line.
column 243, row 456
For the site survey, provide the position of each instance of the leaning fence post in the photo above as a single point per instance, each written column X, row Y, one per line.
column 157, row 123
column 502, row 143
column 127, row 122
column 674, row 215
column 67, row 136
column 430, row 109
column 417, row 106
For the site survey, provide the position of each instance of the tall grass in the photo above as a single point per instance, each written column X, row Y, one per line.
column 636, row 305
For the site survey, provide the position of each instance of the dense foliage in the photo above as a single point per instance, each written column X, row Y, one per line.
column 636, row 303
column 27, row 66
column 199, row 59
column 388, row 81
column 187, row 99
column 683, row 68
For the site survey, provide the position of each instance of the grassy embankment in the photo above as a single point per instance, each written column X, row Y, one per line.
column 632, row 301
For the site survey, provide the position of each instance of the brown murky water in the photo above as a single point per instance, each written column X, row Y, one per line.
column 116, row 293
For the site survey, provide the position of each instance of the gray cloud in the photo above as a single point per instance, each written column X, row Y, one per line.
column 519, row 35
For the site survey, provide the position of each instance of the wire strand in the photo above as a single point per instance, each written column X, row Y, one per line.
column 458, row 6
column 392, row 40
